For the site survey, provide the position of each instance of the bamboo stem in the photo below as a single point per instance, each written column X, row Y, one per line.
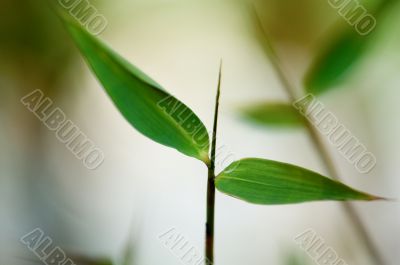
column 209, row 242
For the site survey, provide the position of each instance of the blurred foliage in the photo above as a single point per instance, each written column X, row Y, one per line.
column 291, row 21
column 33, row 45
column 336, row 60
column 295, row 258
column 274, row 115
column 344, row 48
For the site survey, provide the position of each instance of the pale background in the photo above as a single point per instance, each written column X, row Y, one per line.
column 145, row 189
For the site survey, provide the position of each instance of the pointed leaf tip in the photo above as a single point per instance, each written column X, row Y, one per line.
column 262, row 181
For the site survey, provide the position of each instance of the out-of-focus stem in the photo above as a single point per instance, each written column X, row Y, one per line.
column 320, row 147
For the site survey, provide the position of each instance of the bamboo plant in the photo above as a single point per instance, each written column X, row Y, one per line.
column 157, row 114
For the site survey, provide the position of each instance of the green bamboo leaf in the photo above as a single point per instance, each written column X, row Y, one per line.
column 145, row 105
column 274, row 114
column 334, row 63
column 263, row 181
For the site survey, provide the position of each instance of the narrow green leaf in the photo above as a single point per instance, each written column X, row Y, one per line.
column 335, row 62
column 146, row 106
column 274, row 114
column 263, row 181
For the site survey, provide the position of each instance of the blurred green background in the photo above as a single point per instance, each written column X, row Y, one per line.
column 142, row 189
